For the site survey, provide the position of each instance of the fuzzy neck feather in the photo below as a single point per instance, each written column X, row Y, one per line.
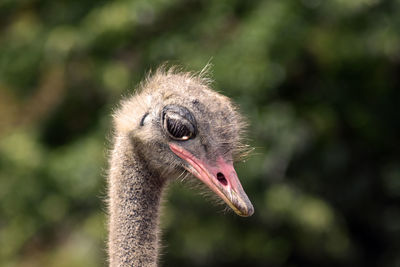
column 134, row 201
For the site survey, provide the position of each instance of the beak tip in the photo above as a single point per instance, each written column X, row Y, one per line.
column 249, row 211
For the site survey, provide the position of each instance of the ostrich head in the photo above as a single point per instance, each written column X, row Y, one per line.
column 178, row 124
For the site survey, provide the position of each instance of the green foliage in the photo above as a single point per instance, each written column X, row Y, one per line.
column 318, row 81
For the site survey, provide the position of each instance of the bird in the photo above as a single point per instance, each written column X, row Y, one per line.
column 174, row 124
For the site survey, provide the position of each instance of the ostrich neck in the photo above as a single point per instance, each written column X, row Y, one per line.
column 134, row 200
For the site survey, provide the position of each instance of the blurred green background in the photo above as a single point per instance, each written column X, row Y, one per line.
column 318, row 80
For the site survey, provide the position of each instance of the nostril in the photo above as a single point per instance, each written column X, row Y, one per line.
column 221, row 178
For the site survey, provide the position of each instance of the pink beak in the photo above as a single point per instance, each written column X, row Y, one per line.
column 220, row 178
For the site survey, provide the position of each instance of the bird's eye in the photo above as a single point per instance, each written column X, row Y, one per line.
column 178, row 125
column 178, row 128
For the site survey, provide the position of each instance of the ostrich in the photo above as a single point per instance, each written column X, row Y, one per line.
column 173, row 125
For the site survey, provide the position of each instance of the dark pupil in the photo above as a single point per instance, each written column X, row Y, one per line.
column 177, row 129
